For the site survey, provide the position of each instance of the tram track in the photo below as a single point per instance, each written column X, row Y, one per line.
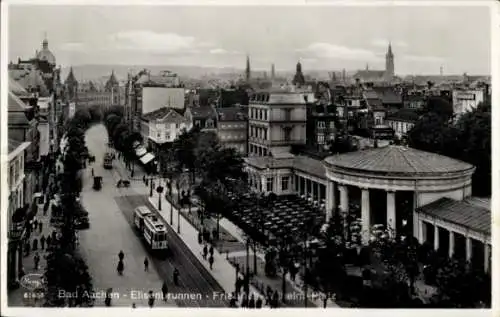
column 194, row 277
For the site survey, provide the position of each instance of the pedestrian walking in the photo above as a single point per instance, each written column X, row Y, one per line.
column 121, row 255
column 205, row 251
column 35, row 224
column 42, row 242
column 258, row 303
column 251, row 302
column 37, row 260
column 211, row 261
column 92, row 172
column 164, row 290
column 49, row 241
column 211, row 251
column 146, row 264
column 200, row 237
column 120, row 267
column 133, row 305
column 275, row 299
column 232, row 301
column 244, row 301
column 35, row 244
column 151, row 299
column 40, row 227
column 176, row 276
column 325, row 300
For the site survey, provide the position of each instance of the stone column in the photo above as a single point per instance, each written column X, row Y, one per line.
column 421, row 233
column 329, row 200
column 391, row 212
column 264, row 183
column 451, row 250
column 436, row 238
column 314, row 190
column 344, row 198
column 486, row 257
column 468, row 248
column 365, row 215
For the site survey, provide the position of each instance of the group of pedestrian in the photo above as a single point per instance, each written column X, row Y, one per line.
column 210, row 251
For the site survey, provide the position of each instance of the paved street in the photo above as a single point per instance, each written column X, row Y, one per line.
column 111, row 231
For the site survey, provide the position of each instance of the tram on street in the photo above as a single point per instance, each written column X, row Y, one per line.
column 151, row 228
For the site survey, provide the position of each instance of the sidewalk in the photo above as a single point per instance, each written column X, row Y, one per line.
column 17, row 297
column 223, row 272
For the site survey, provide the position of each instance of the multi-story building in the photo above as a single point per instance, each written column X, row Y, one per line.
column 94, row 94
column 23, row 127
column 232, row 128
column 204, row 118
column 466, row 100
column 16, row 211
column 163, row 126
column 322, row 120
column 146, row 93
column 402, row 121
column 277, row 120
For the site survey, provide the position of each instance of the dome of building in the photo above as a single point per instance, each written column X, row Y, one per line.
column 396, row 160
column 45, row 54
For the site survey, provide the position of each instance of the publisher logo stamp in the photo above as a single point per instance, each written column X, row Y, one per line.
column 32, row 281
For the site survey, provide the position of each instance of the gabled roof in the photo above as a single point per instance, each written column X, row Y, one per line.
column 202, row 112
column 16, row 104
column 465, row 213
column 15, row 147
column 165, row 114
column 16, row 88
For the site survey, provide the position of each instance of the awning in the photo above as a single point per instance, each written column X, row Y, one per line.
column 147, row 158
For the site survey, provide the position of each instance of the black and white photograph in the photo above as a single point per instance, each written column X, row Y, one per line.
column 246, row 156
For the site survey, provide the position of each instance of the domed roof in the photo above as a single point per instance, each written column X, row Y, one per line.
column 45, row 54
column 396, row 160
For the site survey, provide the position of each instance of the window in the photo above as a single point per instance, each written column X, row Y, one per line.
column 284, row 183
column 260, row 114
column 288, row 114
column 197, row 123
column 269, row 183
column 265, row 114
column 321, row 124
column 158, row 135
column 177, row 126
column 321, row 138
column 332, row 125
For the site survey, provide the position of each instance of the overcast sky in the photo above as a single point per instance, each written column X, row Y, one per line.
column 323, row 38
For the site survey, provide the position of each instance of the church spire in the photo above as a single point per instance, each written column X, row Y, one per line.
column 389, row 50
column 247, row 70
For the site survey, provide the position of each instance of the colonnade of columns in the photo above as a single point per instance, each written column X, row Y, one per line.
column 451, row 242
column 310, row 188
column 366, row 217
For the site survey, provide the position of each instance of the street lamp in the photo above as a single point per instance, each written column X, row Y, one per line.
column 151, row 186
column 159, row 190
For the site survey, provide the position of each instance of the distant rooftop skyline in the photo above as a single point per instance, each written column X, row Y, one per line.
column 326, row 38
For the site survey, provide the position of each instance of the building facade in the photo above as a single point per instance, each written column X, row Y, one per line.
column 163, row 126
column 277, row 120
column 16, row 209
column 465, row 100
column 232, row 128
column 204, row 118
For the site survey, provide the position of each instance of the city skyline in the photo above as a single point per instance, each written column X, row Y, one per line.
column 321, row 38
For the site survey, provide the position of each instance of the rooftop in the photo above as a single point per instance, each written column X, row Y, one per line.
column 408, row 115
column 202, row 112
column 398, row 160
column 302, row 163
column 164, row 113
column 231, row 114
column 466, row 213
column 16, row 104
